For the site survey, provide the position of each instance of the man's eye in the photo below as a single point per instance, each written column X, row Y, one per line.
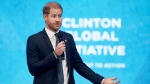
column 53, row 15
column 59, row 16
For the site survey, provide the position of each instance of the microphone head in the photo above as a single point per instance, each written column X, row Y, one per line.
column 60, row 36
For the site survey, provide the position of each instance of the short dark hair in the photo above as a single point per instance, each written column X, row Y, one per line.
column 49, row 5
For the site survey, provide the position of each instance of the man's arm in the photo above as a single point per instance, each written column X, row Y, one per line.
column 37, row 65
column 85, row 71
column 82, row 68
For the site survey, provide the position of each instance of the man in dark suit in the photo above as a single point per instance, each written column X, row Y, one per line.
column 43, row 53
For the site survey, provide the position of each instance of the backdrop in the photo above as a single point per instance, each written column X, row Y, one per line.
column 112, row 37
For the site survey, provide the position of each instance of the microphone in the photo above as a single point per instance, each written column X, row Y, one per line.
column 60, row 39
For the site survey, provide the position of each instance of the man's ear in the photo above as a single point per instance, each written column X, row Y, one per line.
column 45, row 17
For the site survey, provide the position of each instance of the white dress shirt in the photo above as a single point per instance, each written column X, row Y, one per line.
column 64, row 62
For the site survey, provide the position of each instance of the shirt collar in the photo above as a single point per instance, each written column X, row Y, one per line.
column 50, row 33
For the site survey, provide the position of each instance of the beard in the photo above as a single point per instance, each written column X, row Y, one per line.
column 57, row 24
column 54, row 26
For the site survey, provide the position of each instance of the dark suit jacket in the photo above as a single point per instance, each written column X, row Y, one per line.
column 42, row 63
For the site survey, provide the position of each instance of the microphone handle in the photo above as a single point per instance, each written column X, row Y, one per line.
column 60, row 39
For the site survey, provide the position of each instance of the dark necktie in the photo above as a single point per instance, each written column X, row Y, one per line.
column 59, row 65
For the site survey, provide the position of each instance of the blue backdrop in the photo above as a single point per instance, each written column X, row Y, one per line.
column 112, row 37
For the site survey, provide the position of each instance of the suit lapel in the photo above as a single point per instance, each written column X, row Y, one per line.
column 47, row 40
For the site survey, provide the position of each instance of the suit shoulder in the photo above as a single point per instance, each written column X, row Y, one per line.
column 36, row 35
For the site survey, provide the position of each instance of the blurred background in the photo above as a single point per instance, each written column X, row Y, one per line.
column 112, row 37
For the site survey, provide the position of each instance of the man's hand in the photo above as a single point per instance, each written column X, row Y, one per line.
column 110, row 81
column 60, row 48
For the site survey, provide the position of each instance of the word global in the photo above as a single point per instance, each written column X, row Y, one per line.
column 94, row 36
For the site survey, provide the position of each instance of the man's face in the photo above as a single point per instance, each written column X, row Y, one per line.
column 54, row 19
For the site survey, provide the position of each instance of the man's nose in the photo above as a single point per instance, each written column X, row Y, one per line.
column 57, row 18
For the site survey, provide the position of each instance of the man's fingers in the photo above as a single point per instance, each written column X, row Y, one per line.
column 116, row 82
column 119, row 81
column 62, row 42
column 63, row 48
column 114, row 78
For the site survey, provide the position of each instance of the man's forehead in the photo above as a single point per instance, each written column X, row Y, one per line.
column 55, row 10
